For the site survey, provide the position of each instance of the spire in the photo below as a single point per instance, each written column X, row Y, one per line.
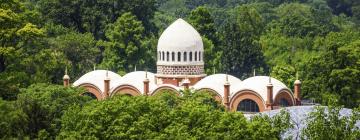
column 254, row 72
column 214, row 70
column 146, row 74
column 227, row 80
column 66, row 76
column 107, row 75
column 94, row 67
column 135, row 68
column 269, row 79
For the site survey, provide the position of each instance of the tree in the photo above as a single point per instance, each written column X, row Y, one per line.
column 202, row 21
column 166, row 116
column 324, row 120
column 44, row 104
column 339, row 63
column 240, row 42
column 126, row 48
column 12, row 120
column 94, row 16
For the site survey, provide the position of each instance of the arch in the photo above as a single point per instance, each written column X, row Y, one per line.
column 246, row 94
column 185, row 57
column 90, row 88
column 190, row 56
column 195, row 55
column 167, row 56
column 157, row 90
column 173, row 56
column 179, row 56
column 125, row 89
column 213, row 93
column 286, row 95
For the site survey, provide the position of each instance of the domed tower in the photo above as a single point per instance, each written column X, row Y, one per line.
column 180, row 54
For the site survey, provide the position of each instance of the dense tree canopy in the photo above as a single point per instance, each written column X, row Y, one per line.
column 315, row 41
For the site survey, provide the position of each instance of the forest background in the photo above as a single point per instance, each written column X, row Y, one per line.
column 316, row 41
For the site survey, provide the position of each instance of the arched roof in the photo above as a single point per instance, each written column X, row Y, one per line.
column 180, row 36
column 136, row 80
column 153, row 90
column 258, row 84
column 216, row 82
column 97, row 78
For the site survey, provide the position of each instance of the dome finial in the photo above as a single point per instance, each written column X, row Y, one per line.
column 94, row 67
column 135, row 68
column 146, row 73
column 254, row 72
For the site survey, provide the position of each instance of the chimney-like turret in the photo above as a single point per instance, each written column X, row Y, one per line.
column 226, row 93
column 146, row 85
column 106, row 85
column 269, row 100
column 297, row 92
column 66, row 79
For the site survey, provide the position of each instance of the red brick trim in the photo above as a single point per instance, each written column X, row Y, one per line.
column 125, row 89
column 93, row 90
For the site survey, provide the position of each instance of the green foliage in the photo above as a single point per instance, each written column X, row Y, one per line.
column 339, row 71
column 241, row 46
column 166, row 116
column 202, row 21
column 44, row 105
column 126, row 48
column 328, row 124
column 94, row 16
column 12, row 120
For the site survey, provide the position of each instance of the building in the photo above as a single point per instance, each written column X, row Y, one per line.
column 180, row 66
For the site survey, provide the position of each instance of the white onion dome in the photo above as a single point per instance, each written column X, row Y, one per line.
column 97, row 78
column 180, row 38
column 216, row 82
column 259, row 85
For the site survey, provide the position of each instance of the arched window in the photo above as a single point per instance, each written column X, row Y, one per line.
column 248, row 105
column 283, row 102
column 172, row 56
column 159, row 55
column 199, row 56
column 190, row 56
column 185, row 57
column 179, row 56
column 195, row 56
column 167, row 56
column 163, row 56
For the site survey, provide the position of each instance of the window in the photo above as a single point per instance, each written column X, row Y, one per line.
column 195, row 56
column 167, row 56
column 185, row 57
column 199, row 56
column 159, row 56
column 179, row 56
column 248, row 105
column 190, row 56
column 283, row 102
column 163, row 56
column 172, row 56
